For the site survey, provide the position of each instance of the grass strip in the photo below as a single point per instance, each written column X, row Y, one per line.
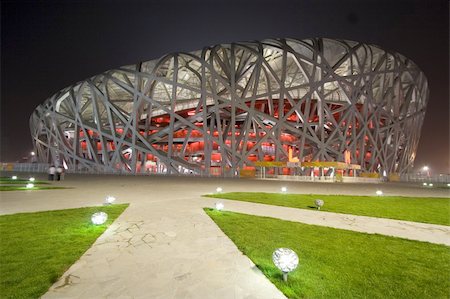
column 419, row 209
column 23, row 188
column 9, row 181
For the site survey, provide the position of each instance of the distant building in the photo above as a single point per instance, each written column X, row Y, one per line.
column 220, row 110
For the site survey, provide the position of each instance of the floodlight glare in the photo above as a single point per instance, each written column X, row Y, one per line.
column 448, row 185
column 219, row 206
column 424, row 184
column 31, row 179
column 319, row 203
column 283, row 189
column 219, row 189
column 14, row 177
column 33, row 153
column 99, row 218
column 286, row 260
column 426, row 168
column 430, row 184
column 29, row 185
column 110, row 199
column 379, row 192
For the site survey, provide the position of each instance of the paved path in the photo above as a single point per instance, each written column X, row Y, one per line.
column 439, row 234
column 165, row 246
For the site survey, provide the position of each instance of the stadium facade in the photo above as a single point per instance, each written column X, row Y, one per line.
column 226, row 108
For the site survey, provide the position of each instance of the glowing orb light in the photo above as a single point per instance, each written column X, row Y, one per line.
column 219, row 206
column 219, row 189
column 319, row 203
column 379, row 192
column 109, row 200
column 283, row 189
column 14, row 177
column 29, row 186
column 424, row 184
column 31, row 179
column 99, row 218
column 431, row 185
column 286, row 260
column 448, row 185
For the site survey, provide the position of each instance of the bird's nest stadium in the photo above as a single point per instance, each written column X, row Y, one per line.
column 290, row 106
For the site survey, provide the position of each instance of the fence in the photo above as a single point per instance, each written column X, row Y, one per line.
column 435, row 179
column 25, row 167
column 414, row 178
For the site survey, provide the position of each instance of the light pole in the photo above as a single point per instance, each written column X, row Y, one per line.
column 426, row 169
column 33, row 157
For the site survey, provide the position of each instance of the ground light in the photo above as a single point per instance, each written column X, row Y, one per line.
column 448, row 185
column 430, row 184
column 31, row 179
column 425, row 184
column 14, row 177
column 286, row 260
column 219, row 189
column 109, row 200
column 319, row 203
column 29, row 185
column 99, row 218
column 219, row 206
column 379, row 192
column 283, row 189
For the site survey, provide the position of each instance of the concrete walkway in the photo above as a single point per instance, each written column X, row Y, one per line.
column 165, row 246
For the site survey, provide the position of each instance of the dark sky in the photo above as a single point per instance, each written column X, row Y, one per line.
column 48, row 45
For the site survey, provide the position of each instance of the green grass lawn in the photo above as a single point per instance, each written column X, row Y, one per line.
column 338, row 263
column 10, row 181
column 23, row 188
column 418, row 209
column 8, row 184
column 37, row 248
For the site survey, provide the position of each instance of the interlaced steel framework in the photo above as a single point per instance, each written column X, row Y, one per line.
column 220, row 109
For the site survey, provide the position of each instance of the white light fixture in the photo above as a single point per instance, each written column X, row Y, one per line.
column 286, row 260
column 219, row 206
column 283, row 189
column 430, row 184
column 99, row 218
column 14, row 177
column 379, row 192
column 29, row 185
column 426, row 168
column 425, row 184
column 219, row 189
column 33, row 153
column 31, row 179
column 319, row 203
column 448, row 185
column 109, row 200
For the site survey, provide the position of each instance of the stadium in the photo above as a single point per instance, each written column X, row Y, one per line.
column 282, row 106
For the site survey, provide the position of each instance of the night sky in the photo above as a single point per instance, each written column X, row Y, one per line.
column 48, row 45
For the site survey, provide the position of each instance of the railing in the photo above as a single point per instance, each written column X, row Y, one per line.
column 25, row 167
column 435, row 179
column 43, row 168
column 305, row 178
column 351, row 179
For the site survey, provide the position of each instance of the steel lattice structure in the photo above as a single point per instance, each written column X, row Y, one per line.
column 220, row 109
